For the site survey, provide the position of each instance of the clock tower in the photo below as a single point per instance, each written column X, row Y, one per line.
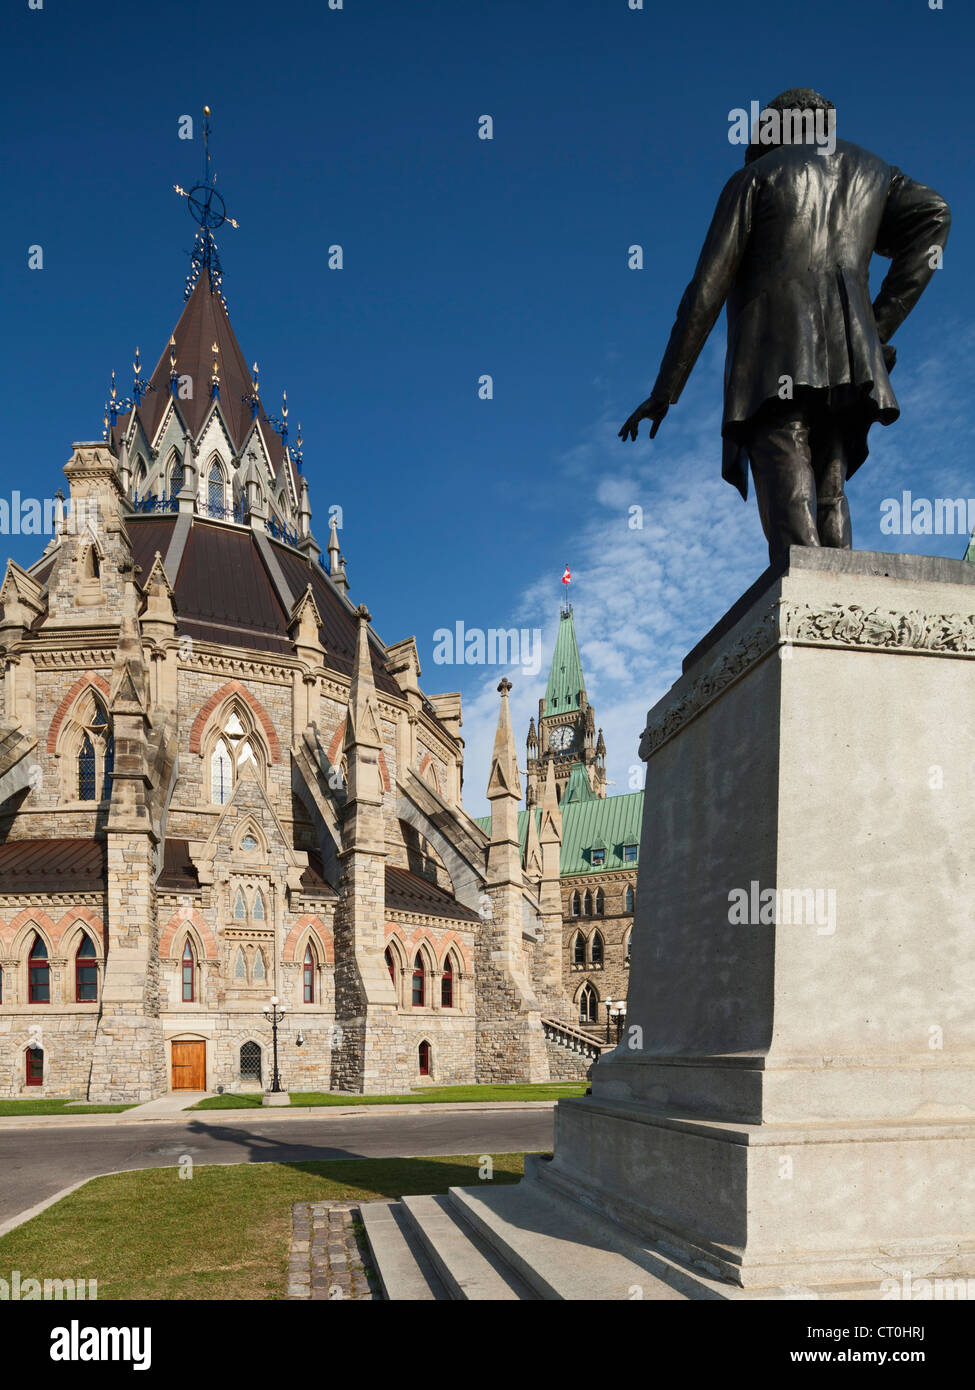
column 566, row 732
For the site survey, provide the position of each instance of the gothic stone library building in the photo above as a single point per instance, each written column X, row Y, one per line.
column 218, row 785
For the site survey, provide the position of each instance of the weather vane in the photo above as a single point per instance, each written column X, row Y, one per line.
column 209, row 212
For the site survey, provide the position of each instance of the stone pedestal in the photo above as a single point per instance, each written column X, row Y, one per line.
column 276, row 1098
column 794, row 1101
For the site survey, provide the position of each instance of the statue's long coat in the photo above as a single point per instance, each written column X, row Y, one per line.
column 789, row 248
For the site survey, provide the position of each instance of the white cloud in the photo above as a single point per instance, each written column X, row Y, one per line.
column 643, row 598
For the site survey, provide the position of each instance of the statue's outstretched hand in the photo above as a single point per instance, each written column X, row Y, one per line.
column 653, row 409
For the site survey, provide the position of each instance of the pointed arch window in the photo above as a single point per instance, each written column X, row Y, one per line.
column 629, row 943
column 188, row 972
column 576, row 904
column 35, row 1066
column 579, row 949
column 259, row 914
column 596, row 950
column 240, row 907
column 86, row 770
column 390, row 964
column 419, row 983
column 38, row 974
column 588, row 903
column 630, row 898
column 240, row 965
column 215, row 490
column 95, row 759
column 260, row 969
column 140, row 479
column 176, row 477
column 236, row 745
column 447, row 984
column 423, row 1056
column 308, row 975
column 587, row 1005
column 221, row 774
column 85, row 972
column 600, row 902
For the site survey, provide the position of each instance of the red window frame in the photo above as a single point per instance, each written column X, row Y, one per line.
column 447, row 985
column 34, row 1066
column 85, row 972
column 308, row 976
column 424, row 1051
column 419, row 983
column 189, row 973
column 38, row 976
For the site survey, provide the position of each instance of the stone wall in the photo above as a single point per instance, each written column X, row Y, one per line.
column 611, row 979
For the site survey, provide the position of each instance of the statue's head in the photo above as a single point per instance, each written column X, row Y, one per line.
column 796, row 100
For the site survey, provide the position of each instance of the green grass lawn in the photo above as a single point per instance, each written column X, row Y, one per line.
column 222, row 1234
column 56, row 1107
column 428, row 1095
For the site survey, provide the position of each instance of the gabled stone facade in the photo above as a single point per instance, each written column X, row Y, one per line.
column 218, row 785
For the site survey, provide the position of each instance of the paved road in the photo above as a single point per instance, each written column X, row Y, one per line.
column 35, row 1163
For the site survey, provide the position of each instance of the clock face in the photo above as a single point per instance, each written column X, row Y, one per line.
column 561, row 739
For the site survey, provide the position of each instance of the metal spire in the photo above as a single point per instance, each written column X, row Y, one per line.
column 209, row 211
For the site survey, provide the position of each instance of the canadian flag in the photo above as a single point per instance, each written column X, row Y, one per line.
column 567, row 577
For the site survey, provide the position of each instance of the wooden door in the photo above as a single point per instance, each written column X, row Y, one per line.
column 189, row 1066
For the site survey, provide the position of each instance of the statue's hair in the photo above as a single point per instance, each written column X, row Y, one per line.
column 795, row 99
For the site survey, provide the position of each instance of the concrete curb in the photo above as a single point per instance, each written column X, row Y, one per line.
column 311, row 1112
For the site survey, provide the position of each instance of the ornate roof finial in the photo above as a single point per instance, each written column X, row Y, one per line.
column 253, row 397
column 209, row 211
column 280, row 423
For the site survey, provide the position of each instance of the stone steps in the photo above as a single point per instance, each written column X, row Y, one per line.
column 424, row 1249
column 529, row 1241
column 403, row 1267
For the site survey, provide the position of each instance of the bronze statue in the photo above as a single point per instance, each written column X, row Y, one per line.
column 806, row 370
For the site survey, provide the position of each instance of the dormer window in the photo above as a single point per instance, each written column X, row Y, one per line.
column 629, row 854
column 598, row 858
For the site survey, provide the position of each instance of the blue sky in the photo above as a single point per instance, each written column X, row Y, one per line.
column 464, row 257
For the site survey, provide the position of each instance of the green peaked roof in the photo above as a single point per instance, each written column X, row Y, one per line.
column 609, row 822
column 565, row 682
column 578, row 787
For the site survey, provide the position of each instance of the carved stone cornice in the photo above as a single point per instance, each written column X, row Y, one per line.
column 845, row 627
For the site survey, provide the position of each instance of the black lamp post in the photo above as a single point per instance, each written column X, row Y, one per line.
column 275, row 1015
column 615, row 1013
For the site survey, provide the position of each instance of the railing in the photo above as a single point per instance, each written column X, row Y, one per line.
column 155, row 504
column 573, row 1038
column 281, row 532
column 234, row 513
